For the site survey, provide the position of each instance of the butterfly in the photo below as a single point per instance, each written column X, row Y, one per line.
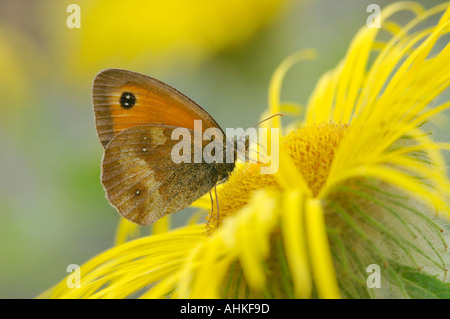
column 135, row 116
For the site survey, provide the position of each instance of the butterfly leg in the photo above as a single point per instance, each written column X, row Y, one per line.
column 217, row 203
column 217, row 198
column 212, row 206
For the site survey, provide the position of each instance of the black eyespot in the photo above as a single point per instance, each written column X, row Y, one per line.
column 127, row 100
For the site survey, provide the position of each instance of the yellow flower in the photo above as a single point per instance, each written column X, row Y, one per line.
column 157, row 33
column 361, row 182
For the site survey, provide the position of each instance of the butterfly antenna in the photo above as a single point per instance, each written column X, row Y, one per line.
column 217, row 203
column 212, row 206
column 251, row 140
column 257, row 153
column 253, row 150
column 268, row 118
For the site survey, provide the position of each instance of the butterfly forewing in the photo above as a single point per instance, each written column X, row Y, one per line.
column 124, row 99
column 141, row 179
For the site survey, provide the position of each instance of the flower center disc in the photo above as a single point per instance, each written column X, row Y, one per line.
column 312, row 150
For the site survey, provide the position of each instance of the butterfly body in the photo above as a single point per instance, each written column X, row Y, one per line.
column 135, row 117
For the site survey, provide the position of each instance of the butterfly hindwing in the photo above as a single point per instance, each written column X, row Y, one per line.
column 141, row 179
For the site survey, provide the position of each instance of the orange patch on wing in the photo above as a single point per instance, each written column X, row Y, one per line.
column 149, row 108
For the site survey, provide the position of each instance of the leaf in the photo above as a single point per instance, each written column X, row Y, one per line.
column 420, row 285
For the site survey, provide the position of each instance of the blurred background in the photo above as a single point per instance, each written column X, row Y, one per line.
column 220, row 53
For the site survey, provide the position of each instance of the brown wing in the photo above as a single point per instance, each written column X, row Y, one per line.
column 142, row 181
column 124, row 99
